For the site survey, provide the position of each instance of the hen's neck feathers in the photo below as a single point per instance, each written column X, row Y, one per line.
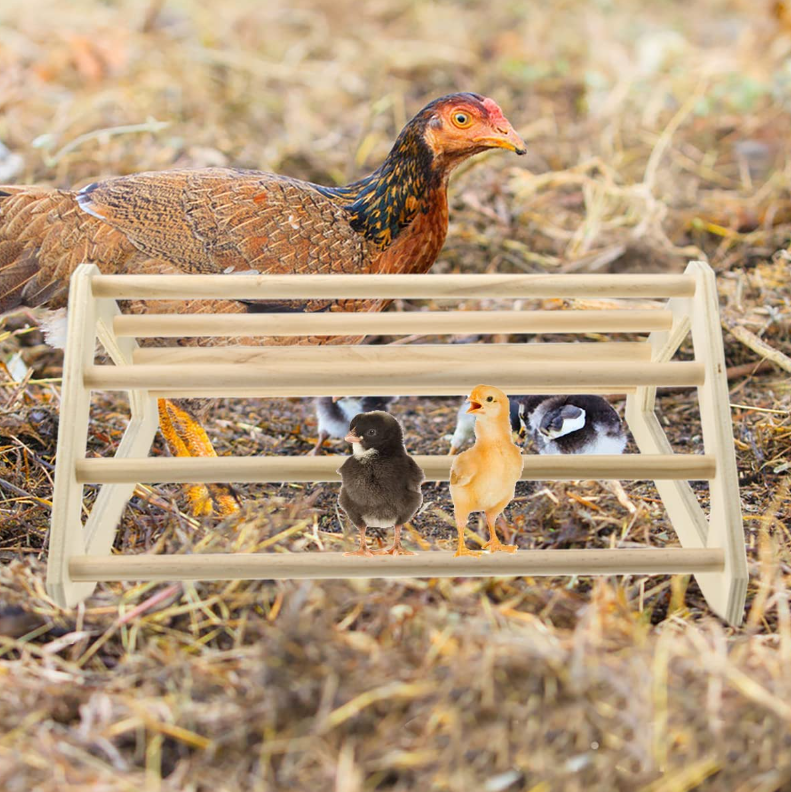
column 408, row 182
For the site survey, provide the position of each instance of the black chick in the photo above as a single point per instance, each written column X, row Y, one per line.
column 334, row 414
column 381, row 482
column 578, row 424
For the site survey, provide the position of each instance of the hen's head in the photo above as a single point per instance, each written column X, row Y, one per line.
column 459, row 125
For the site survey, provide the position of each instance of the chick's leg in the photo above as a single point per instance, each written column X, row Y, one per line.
column 494, row 545
column 319, row 443
column 187, row 438
column 363, row 550
column 617, row 489
column 461, row 527
column 395, row 548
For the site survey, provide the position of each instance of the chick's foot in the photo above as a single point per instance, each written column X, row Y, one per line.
column 363, row 548
column 393, row 550
column 494, row 545
column 363, row 551
column 464, row 551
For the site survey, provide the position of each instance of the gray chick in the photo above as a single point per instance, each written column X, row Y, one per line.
column 334, row 414
column 381, row 482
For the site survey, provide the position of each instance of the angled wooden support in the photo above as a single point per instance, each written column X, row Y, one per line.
column 89, row 320
column 724, row 591
column 135, row 444
column 712, row 549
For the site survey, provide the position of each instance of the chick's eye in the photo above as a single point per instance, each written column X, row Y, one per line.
column 371, row 432
column 461, row 119
column 490, row 398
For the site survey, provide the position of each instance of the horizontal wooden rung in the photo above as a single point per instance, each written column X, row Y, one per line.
column 391, row 323
column 318, row 565
column 340, row 356
column 281, row 469
column 366, row 286
column 439, row 370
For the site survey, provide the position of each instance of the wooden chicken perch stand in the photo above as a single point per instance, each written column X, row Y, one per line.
column 712, row 549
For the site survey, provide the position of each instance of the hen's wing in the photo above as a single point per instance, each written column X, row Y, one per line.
column 216, row 219
column 44, row 236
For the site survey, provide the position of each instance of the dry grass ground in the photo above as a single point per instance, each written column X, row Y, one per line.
column 657, row 133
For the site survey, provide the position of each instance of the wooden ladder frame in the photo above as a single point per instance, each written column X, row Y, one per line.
column 713, row 549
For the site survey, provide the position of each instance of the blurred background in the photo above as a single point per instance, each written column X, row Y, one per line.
column 657, row 133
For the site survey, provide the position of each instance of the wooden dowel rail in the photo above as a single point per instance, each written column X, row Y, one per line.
column 432, row 564
column 391, row 323
column 282, row 469
column 345, row 356
column 303, row 375
column 360, row 388
column 416, row 287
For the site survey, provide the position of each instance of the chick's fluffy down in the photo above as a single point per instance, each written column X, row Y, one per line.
column 482, row 479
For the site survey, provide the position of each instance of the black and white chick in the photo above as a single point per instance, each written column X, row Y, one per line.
column 381, row 482
column 578, row 424
column 334, row 414
column 465, row 424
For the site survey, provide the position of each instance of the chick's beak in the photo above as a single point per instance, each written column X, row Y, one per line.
column 475, row 406
column 504, row 137
column 352, row 437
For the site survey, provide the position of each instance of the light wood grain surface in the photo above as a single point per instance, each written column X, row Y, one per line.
column 318, row 565
column 162, row 470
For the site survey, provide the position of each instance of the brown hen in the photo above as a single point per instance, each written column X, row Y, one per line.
column 225, row 220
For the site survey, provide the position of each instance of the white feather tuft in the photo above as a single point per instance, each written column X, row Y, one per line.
column 569, row 425
column 361, row 454
column 54, row 325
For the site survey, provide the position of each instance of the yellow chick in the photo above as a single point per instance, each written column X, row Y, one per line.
column 484, row 477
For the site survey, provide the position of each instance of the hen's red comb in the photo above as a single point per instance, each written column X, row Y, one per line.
column 494, row 111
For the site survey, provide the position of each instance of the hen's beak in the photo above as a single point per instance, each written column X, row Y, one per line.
column 505, row 137
column 474, row 407
column 352, row 438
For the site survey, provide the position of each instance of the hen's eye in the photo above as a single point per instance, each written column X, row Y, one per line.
column 461, row 119
column 490, row 398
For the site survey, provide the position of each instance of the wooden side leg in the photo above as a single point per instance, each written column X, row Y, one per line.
column 726, row 527
column 66, row 538
column 725, row 591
